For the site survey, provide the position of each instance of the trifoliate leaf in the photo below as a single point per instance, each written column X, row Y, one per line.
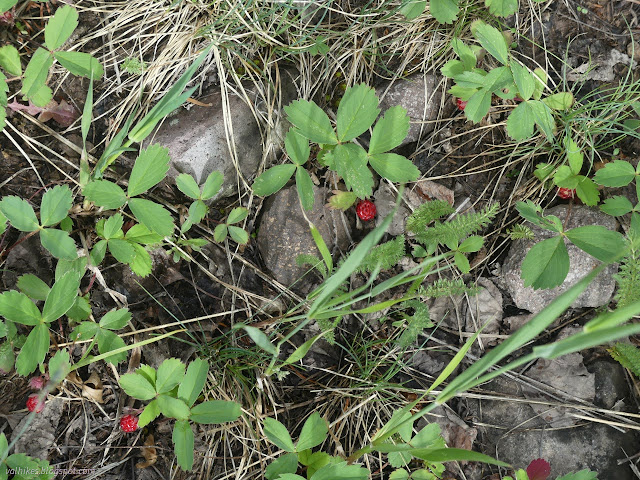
column 60, row 27
column 350, row 162
column 105, row 194
column 58, row 243
column 80, row 64
column 311, row 121
column 10, row 60
column 273, row 179
column 444, row 11
column 297, row 147
column 155, row 217
column 19, row 213
column 187, row 185
column 491, row 40
column 547, row 264
column 357, row 111
column 35, row 76
column 212, row 185
column 394, row 167
column 149, row 169
column 389, row 131
column 55, row 205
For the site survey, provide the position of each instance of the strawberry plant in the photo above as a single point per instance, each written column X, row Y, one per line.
column 22, row 466
column 198, row 209
column 357, row 112
column 173, row 393
column 446, row 11
column 102, row 334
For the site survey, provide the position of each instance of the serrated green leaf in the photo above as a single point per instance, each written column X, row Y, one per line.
column 598, row 241
column 112, row 227
column 560, row 101
column 212, row 185
column 491, row 40
column 461, row 262
column 311, row 122
column 394, row 167
column 19, row 213
column 215, row 411
column 350, row 162
column 314, row 432
column 10, row 60
column 7, row 357
column 453, row 68
column 60, row 27
column 80, row 64
column 18, row 308
column 342, row 200
column 357, row 111
column 502, row 8
column 277, row 433
column 115, row 319
column 238, row 235
column 141, row 264
column 565, row 178
column 617, row 206
column 546, row 265
column 193, row 381
column 33, row 287
column 108, row 342
column 471, row 244
column 521, row 122
column 35, row 76
column 6, row 5
column 273, row 179
column 287, row 463
column 444, row 11
column 58, row 243
column 137, row 386
column 574, row 155
column 297, row 147
column 98, row 252
column 105, row 194
column 170, row 374
column 149, row 414
column 389, row 131
column 77, row 265
column 173, row 407
column 187, row 185
column 41, row 96
column 122, row 250
column 61, row 297
column 543, row 117
column 55, row 205
column 80, row 310
column 141, row 234
column 304, row 184
column 341, row 471
column 59, row 366
column 523, row 78
column 220, row 232
column 465, row 53
column 85, row 331
column 155, row 217
column 34, row 350
column 615, row 174
column 149, row 169
column 183, row 444
column 237, row 215
column 587, row 191
column 197, row 211
column 412, row 9
column 478, row 105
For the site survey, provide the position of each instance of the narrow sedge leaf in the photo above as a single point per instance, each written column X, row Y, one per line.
column 155, row 217
column 390, row 130
column 61, row 297
column 301, row 351
column 215, row 411
column 615, row 174
column 322, row 246
column 547, row 264
column 183, row 444
column 80, row 64
column 170, row 374
column 34, row 350
column 311, row 122
column 173, row 407
column 60, row 27
column 137, row 386
column 193, row 381
column 115, row 319
column 35, row 76
column 260, row 339
column 273, row 179
column 491, row 40
column 314, row 432
column 85, row 124
column 55, row 205
column 297, row 147
column 394, row 167
column 33, row 287
column 304, row 184
column 212, row 185
column 18, row 308
column 238, row 235
column 598, row 241
column 277, row 433
column 149, row 169
column 19, row 213
column 444, row 11
column 58, row 243
column 357, row 111
column 105, row 194
column 187, row 185
column 113, row 149
column 237, row 215
column 10, row 60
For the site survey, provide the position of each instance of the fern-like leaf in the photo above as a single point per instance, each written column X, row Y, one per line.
column 415, row 323
column 627, row 355
column 628, row 276
column 444, row 287
column 305, row 259
column 387, row 255
column 426, row 213
column 521, row 232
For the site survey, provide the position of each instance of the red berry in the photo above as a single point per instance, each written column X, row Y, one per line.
column 566, row 193
column 33, row 404
column 6, row 18
column 129, row 423
column 538, row 469
column 460, row 103
column 37, row 383
column 366, row 210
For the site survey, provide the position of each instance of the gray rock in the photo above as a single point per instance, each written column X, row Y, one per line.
column 39, row 436
column 419, row 95
column 598, row 293
column 484, row 309
column 284, row 233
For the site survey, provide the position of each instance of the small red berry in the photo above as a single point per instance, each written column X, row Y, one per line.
column 366, row 210
column 538, row 469
column 460, row 103
column 7, row 17
column 37, row 383
column 129, row 423
column 33, row 404
column 566, row 193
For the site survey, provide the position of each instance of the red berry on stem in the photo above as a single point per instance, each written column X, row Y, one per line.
column 33, row 404
column 460, row 103
column 538, row 469
column 566, row 193
column 366, row 210
column 129, row 423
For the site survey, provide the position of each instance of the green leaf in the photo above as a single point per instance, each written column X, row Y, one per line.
column 35, row 76
column 314, row 432
column 311, row 121
column 105, row 194
column 546, row 264
column 412, row 9
column 216, row 411
column 502, row 8
column 478, row 105
column 587, row 191
column 559, row 101
column 452, row 69
column 342, row 200
column 18, row 308
column 141, row 264
column 187, row 185
column 471, row 244
column 212, row 185
column 615, row 174
column 389, row 131
column 183, row 444
column 122, row 250
column 152, row 215
column 34, row 350
column 85, row 331
column 33, row 287
column 80, row 310
column 237, row 215
column 543, row 118
column 149, row 169
column 61, row 297
column 541, row 81
column 220, row 232
column 491, row 40
column 260, row 339
column 574, row 155
column 98, row 252
column 197, row 211
column 80, row 64
column 357, row 111
column 109, row 342
column 350, row 162
column 60, row 27
column 238, row 235
column 341, row 471
column 141, row 234
column 6, row 5
column 581, row 475
column 170, row 374
column 149, row 414
column 115, row 319
column 598, row 241
column 394, row 167
column 444, row 11
column 287, row 463
column 173, row 407
column 523, row 78
column 20, row 214
column 10, row 60
column 7, row 357
column 277, row 433
column 273, row 179
column 297, row 147
column 147, row 372
column 3, row 219
column 616, row 206
column 565, row 178
column 112, row 227
column 193, row 381
column 461, row 262
column 465, row 53
column 59, row 243
column 304, row 184
column 521, row 122
column 137, row 386
column 451, row 454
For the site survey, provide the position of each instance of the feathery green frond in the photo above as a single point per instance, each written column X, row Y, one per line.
column 427, row 213
column 627, row 355
column 387, row 255
column 443, row 287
